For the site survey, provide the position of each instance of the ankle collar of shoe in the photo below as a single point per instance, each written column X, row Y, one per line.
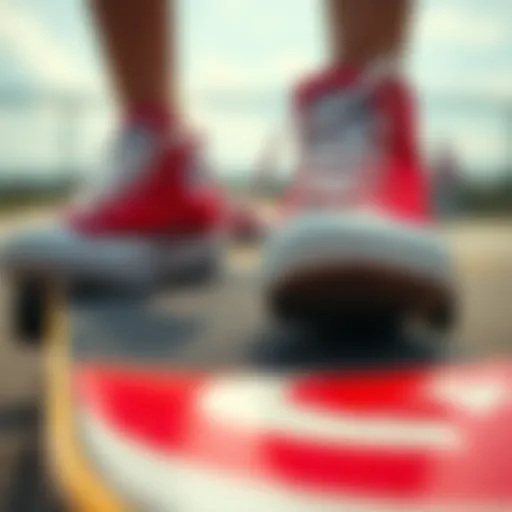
column 382, row 68
column 372, row 73
column 368, row 76
column 156, row 118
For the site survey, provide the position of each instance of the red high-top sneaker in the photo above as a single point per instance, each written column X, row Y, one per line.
column 356, row 230
column 159, row 213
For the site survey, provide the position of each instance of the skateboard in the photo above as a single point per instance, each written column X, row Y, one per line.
column 199, row 402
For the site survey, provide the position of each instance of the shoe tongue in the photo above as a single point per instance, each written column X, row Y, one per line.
column 341, row 147
column 344, row 133
column 130, row 156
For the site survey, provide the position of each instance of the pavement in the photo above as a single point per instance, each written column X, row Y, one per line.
column 483, row 256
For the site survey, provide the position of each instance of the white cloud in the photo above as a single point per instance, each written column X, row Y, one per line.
column 234, row 139
column 232, row 10
column 44, row 143
column 441, row 24
column 218, row 73
column 490, row 86
column 498, row 84
column 286, row 67
column 46, row 58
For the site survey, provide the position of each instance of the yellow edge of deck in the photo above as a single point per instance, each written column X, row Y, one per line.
column 72, row 474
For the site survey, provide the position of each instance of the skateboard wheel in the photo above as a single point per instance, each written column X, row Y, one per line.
column 30, row 311
column 362, row 293
column 443, row 318
column 354, row 318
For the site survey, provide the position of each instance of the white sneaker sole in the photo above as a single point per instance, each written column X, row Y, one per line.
column 340, row 263
column 138, row 263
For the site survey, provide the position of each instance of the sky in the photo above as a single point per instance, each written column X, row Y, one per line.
column 238, row 59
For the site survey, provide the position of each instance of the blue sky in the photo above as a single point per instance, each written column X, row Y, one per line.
column 252, row 50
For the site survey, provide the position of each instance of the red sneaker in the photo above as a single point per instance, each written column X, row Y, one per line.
column 356, row 225
column 160, row 213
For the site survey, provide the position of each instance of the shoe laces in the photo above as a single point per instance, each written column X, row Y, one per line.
column 128, row 157
column 340, row 150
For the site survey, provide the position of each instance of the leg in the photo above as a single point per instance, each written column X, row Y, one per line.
column 146, row 220
column 360, row 165
column 139, row 52
column 362, row 30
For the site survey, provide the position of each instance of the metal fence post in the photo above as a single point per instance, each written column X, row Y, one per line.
column 69, row 135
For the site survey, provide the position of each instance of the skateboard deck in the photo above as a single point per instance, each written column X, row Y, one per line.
column 173, row 341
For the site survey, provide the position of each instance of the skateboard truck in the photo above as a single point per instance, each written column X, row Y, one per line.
column 33, row 299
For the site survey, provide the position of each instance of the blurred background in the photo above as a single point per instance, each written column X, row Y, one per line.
column 56, row 110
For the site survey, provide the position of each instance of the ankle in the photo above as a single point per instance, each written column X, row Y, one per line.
column 157, row 118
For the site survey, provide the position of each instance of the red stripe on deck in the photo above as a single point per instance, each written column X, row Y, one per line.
column 400, row 393
column 160, row 410
column 152, row 407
